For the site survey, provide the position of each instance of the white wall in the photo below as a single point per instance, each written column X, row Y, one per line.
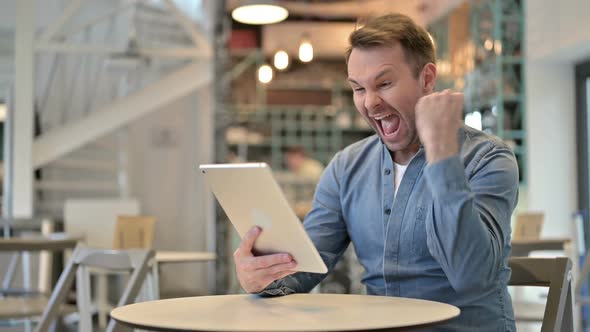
column 551, row 144
column 558, row 30
column 557, row 36
column 45, row 13
column 166, row 148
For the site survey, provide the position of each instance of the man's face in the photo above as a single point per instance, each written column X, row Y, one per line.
column 385, row 93
column 294, row 161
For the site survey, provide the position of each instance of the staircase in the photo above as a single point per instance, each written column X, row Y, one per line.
column 92, row 171
column 86, row 87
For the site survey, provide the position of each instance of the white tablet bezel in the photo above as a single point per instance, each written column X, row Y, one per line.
column 249, row 195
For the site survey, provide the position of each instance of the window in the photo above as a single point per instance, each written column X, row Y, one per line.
column 583, row 149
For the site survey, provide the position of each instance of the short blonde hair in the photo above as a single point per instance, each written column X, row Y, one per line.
column 390, row 29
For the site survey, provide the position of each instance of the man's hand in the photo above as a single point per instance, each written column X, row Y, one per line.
column 438, row 119
column 255, row 273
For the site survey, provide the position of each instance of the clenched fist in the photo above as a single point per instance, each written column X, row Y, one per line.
column 438, row 119
column 257, row 272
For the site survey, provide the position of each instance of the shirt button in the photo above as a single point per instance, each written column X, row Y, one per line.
column 387, row 171
column 387, row 211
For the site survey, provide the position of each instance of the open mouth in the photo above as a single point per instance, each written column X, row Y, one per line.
column 389, row 124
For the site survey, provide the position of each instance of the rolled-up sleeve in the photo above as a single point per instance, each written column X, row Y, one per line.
column 468, row 224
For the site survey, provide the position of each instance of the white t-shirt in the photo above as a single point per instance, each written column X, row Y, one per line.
column 398, row 174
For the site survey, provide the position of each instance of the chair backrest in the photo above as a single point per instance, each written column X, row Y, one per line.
column 132, row 232
column 528, row 225
column 94, row 219
column 133, row 260
column 554, row 273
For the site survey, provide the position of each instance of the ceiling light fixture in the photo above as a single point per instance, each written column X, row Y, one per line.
column 281, row 60
column 305, row 49
column 265, row 74
column 259, row 12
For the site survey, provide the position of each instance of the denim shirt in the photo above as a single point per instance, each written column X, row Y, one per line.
column 445, row 237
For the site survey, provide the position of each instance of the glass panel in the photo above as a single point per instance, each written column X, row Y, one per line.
column 587, row 111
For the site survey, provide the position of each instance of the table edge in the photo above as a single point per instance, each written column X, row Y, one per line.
column 379, row 329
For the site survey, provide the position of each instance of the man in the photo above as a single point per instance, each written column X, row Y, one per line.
column 439, row 231
column 302, row 165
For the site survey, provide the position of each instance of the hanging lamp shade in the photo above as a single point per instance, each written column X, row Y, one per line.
column 281, row 60
column 259, row 12
column 265, row 74
column 305, row 49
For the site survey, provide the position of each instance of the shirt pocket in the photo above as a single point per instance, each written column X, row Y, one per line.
column 419, row 243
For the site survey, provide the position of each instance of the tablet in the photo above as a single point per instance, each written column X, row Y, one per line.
column 250, row 196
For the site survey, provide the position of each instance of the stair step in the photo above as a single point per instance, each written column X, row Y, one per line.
column 77, row 185
column 55, row 205
column 101, row 144
column 52, row 213
column 92, row 154
column 102, row 165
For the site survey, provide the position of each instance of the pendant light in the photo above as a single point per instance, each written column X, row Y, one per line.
column 305, row 49
column 281, row 60
column 259, row 12
column 265, row 74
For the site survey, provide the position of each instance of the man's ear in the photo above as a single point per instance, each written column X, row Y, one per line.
column 428, row 78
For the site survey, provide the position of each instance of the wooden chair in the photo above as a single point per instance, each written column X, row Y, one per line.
column 134, row 232
column 131, row 232
column 133, row 261
column 528, row 226
column 137, row 232
column 554, row 273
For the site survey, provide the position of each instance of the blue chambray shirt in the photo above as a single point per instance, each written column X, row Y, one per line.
column 445, row 237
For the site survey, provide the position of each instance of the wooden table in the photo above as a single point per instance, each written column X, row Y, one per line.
column 183, row 256
column 297, row 312
column 54, row 242
column 15, row 307
column 169, row 257
column 525, row 247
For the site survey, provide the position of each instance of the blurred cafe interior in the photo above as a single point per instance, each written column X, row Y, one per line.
column 108, row 107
